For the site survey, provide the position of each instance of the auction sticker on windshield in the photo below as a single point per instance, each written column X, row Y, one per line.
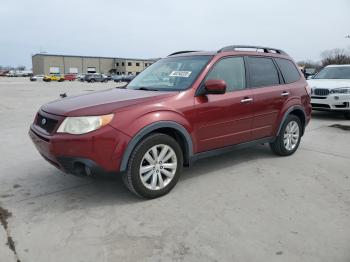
column 180, row 73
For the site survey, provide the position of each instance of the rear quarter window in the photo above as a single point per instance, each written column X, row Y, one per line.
column 289, row 71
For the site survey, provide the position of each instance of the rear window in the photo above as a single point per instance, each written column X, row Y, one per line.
column 262, row 72
column 289, row 71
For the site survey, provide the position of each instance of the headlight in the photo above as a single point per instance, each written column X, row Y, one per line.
column 341, row 90
column 83, row 124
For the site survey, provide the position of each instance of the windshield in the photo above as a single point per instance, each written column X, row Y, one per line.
column 173, row 73
column 341, row 72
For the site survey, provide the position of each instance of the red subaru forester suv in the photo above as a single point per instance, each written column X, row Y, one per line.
column 184, row 107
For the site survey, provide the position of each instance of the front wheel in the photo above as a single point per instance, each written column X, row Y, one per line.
column 288, row 140
column 154, row 166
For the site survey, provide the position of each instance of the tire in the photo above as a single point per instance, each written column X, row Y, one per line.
column 347, row 115
column 152, row 187
column 92, row 80
column 286, row 146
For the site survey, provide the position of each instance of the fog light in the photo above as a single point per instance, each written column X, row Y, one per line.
column 336, row 97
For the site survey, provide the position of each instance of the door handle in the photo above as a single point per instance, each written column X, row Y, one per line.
column 246, row 100
column 285, row 93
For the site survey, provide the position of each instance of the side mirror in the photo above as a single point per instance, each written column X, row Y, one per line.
column 215, row 86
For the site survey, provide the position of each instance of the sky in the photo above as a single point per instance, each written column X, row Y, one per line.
column 155, row 28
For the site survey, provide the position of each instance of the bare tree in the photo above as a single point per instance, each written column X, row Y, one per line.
column 310, row 64
column 335, row 56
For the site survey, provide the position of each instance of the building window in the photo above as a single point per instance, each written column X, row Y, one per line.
column 116, row 64
column 123, row 64
column 137, row 64
column 145, row 64
column 129, row 64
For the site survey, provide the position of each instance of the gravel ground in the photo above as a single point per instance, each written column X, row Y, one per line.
column 248, row 205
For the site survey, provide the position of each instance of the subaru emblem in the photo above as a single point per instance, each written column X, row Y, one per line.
column 43, row 121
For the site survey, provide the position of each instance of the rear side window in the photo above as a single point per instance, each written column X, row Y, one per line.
column 231, row 70
column 289, row 71
column 262, row 72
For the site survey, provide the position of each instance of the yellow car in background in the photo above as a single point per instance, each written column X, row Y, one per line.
column 53, row 77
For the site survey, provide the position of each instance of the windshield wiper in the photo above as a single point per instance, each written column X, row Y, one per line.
column 147, row 89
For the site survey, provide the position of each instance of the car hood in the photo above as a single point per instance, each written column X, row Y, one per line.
column 329, row 83
column 102, row 102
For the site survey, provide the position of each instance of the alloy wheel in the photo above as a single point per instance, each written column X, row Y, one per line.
column 158, row 167
column 291, row 135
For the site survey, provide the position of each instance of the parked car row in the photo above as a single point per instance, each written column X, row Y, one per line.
column 91, row 78
column 16, row 73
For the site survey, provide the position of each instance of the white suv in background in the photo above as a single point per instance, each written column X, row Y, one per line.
column 330, row 89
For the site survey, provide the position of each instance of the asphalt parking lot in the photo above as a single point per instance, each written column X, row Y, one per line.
column 249, row 205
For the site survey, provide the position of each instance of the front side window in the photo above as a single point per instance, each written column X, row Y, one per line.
column 171, row 73
column 337, row 72
column 262, row 72
column 289, row 71
column 231, row 70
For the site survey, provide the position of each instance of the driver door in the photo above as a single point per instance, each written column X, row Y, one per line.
column 225, row 119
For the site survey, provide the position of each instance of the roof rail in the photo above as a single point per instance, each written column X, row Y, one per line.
column 182, row 52
column 265, row 49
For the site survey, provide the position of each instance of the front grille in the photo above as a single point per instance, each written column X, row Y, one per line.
column 46, row 123
column 321, row 92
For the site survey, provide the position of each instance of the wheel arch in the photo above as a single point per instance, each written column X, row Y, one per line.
column 297, row 111
column 173, row 129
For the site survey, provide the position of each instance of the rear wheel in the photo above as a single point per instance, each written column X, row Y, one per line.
column 347, row 115
column 92, row 80
column 288, row 140
column 154, row 166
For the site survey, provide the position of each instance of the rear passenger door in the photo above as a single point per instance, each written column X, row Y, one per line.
column 268, row 92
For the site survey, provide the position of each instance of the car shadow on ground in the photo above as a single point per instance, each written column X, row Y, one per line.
column 109, row 189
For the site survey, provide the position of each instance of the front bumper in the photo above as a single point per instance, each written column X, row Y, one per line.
column 94, row 152
column 332, row 102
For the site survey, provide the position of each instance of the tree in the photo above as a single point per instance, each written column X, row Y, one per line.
column 310, row 64
column 335, row 56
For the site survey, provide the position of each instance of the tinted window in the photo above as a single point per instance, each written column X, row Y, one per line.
column 262, row 72
column 289, row 71
column 231, row 70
